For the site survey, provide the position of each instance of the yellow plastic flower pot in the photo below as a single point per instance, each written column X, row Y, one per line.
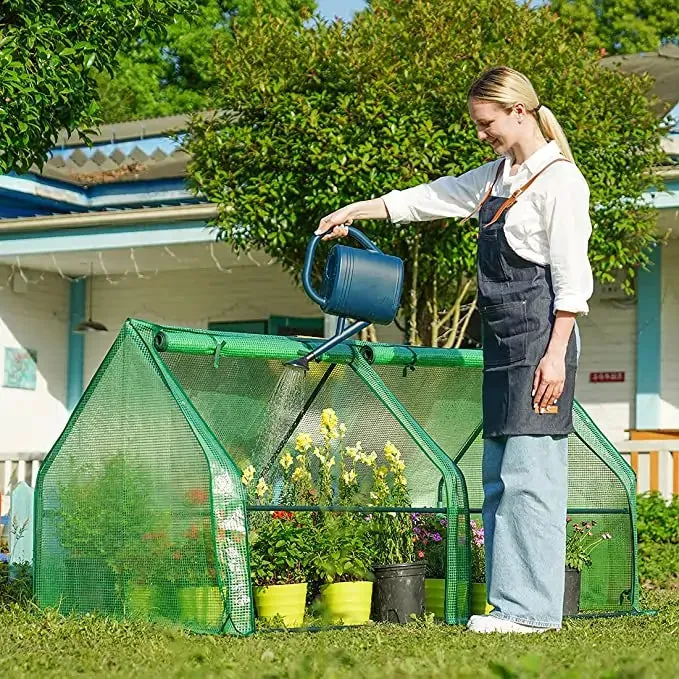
column 348, row 603
column 201, row 606
column 435, row 596
column 286, row 601
column 480, row 605
column 142, row 601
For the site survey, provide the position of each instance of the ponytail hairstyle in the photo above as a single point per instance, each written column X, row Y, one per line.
column 506, row 87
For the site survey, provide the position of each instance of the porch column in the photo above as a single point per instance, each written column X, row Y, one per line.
column 649, row 343
column 76, row 343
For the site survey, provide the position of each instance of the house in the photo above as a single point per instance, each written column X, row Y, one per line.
column 108, row 232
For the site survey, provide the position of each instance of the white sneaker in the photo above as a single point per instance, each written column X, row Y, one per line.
column 485, row 624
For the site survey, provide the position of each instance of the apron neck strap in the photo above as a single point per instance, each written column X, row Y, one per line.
column 487, row 196
column 513, row 198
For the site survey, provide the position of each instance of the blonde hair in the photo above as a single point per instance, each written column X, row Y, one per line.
column 506, row 87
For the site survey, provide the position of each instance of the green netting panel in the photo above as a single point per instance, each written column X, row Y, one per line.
column 134, row 517
column 256, row 408
column 601, row 484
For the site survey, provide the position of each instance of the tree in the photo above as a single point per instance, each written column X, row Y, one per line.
column 333, row 113
column 49, row 53
column 173, row 73
column 622, row 26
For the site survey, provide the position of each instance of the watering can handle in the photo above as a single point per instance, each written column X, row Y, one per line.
column 309, row 261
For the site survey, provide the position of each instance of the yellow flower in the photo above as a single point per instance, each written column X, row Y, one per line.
column 301, row 475
column 303, row 442
column 262, row 488
column 286, row 461
column 352, row 453
column 248, row 475
column 368, row 460
column 329, row 463
column 319, row 455
column 342, row 430
column 391, row 452
column 349, row 477
column 329, row 418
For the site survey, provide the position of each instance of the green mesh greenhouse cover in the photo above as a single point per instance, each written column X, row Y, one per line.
column 140, row 505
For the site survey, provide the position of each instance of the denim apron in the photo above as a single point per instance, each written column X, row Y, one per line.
column 516, row 304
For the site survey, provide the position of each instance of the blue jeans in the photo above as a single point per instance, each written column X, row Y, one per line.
column 525, row 482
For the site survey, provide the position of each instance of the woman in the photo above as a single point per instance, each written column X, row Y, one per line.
column 533, row 279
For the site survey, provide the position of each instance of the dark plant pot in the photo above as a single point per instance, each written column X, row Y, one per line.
column 571, row 597
column 398, row 592
column 90, row 586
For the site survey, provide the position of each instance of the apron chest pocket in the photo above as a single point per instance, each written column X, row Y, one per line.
column 505, row 330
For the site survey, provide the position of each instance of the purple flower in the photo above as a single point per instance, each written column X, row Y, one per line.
column 444, row 522
column 436, row 537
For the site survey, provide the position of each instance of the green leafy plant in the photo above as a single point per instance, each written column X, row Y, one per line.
column 658, row 539
column 281, row 549
column 581, row 542
column 342, row 549
column 328, row 114
column 392, row 533
column 50, row 54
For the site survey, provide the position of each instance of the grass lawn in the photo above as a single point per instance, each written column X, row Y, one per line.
column 43, row 644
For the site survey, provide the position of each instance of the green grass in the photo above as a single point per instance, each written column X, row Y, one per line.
column 44, row 644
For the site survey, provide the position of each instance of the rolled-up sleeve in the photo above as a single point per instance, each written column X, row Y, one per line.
column 443, row 198
column 568, row 231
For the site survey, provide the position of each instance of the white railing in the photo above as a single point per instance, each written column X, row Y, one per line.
column 15, row 468
column 655, row 462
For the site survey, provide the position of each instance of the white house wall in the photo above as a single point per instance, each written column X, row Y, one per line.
column 608, row 336
column 195, row 297
column 34, row 315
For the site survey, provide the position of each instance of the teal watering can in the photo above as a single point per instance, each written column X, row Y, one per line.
column 360, row 283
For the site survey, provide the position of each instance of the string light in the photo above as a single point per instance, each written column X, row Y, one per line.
column 216, row 261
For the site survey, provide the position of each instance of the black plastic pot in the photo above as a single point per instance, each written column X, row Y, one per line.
column 571, row 597
column 398, row 592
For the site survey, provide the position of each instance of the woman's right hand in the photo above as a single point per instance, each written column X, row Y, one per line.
column 336, row 224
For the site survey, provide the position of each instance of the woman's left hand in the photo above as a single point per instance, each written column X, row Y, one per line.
column 549, row 381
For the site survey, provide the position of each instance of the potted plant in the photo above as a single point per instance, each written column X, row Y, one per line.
column 399, row 576
column 280, row 552
column 97, row 519
column 430, row 548
column 431, row 534
column 479, row 599
column 581, row 541
column 341, row 561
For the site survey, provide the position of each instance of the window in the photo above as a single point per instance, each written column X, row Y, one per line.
column 274, row 325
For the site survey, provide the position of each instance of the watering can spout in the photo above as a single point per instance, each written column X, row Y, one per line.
column 299, row 364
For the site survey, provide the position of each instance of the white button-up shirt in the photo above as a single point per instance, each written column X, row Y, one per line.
column 549, row 224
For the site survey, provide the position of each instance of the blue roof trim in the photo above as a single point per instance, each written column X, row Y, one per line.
column 148, row 145
column 44, row 196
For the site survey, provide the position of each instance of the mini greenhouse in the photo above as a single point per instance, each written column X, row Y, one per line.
column 143, row 506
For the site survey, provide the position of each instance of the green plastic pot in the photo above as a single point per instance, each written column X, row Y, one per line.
column 284, row 601
column 435, row 596
column 347, row 603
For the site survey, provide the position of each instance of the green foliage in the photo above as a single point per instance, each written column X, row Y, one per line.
column 95, row 512
column 342, row 549
column 581, row 541
column 658, row 539
column 621, row 26
column 19, row 587
column 281, row 549
column 431, row 532
column 331, row 113
column 174, row 73
column 50, row 52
